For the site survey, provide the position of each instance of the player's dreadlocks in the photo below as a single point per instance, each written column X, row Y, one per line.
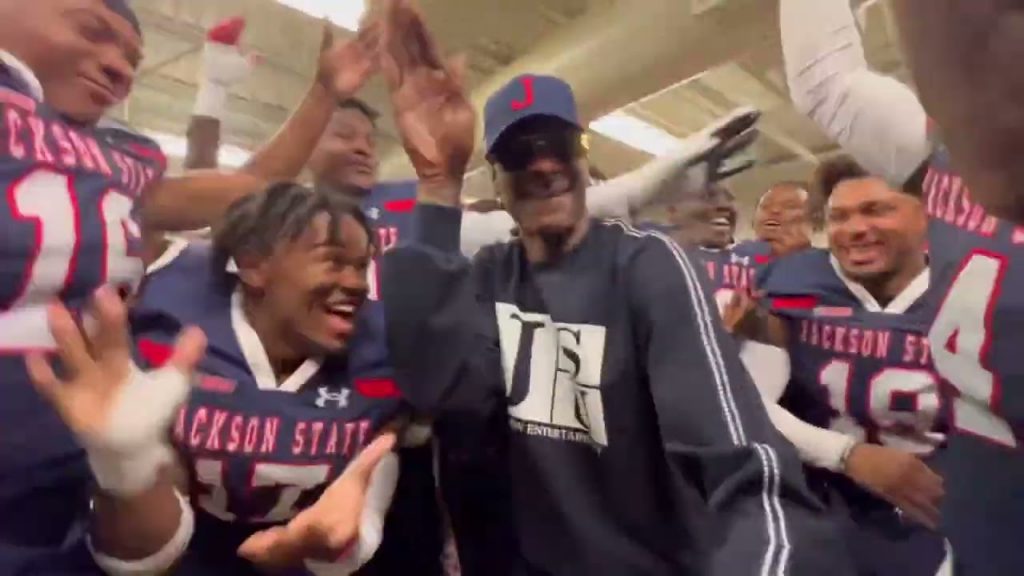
column 254, row 225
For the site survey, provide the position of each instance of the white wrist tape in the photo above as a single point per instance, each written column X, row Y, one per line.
column 159, row 562
column 126, row 475
column 211, row 100
column 371, row 523
column 127, row 454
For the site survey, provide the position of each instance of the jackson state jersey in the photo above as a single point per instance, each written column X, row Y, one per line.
column 257, row 450
column 856, row 367
column 65, row 229
column 979, row 261
column 734, row 268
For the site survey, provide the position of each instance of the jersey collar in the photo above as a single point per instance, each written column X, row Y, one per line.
column 24, row 73
column 899, row 305
column 256, row 356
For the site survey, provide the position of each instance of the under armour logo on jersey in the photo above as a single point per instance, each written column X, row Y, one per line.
column 336, row 399
column 743, row 260
column 373, row 213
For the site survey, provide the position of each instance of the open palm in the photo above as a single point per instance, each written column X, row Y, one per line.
column 435, row 119
column 91, row 397
column 344, row 67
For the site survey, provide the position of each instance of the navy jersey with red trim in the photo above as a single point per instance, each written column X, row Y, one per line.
column 65, row 229
column 256, row 450
column 734, row 268
column 979, row 261
column 412, row 538
column 868, row 374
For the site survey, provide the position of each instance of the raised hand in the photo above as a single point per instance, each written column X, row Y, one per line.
column 715, row 152
column 116, row 411
column 737, row 311
column 328, row 529
column 434, row 117
column 344, row 67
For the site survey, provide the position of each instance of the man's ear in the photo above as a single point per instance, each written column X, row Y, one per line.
column 253, row 272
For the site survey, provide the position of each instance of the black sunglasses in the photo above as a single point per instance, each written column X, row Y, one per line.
column 515, row 152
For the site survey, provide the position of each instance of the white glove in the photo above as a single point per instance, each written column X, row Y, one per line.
column 705, row 157
column 224, row 66
column 714, row 153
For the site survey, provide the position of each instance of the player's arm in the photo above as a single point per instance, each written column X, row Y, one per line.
column 198, row 199
column 224, row 66
column 685, row 168
column 444, row 355
column 144, row 533
column 715, row 431
column 875, row 118
column 121, row 416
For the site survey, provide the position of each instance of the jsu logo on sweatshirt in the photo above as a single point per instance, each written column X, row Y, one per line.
column 553, row 376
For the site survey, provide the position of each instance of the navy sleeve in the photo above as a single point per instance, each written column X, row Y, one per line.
column 440, row 328
column 716, row 432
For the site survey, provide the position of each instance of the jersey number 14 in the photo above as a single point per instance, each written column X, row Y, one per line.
column 961, row 338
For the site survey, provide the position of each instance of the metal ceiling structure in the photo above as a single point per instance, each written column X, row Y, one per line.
column 675, row 64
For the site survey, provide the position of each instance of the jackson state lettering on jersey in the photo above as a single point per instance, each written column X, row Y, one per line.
column 866, row 374
column 35, row 135
column 734, row 268
column 223, row 431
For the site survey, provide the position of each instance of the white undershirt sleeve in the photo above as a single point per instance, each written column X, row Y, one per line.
column 877, row 119
column 769, row 368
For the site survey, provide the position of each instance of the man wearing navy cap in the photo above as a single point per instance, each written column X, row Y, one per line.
column 632, row 439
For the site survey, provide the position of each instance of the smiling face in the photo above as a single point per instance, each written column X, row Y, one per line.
column 706, row 219
column 346, row 155
column 315, row 285
column 540, row 174
column 84, row 55
column 873, row 230
column 784, row 209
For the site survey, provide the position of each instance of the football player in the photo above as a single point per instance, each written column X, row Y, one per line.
column 853, row 320
column 785, row 218
column 67, row 227
column 288, row 393
column 963, row 55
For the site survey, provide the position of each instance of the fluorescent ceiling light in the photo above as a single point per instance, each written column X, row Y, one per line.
column 636, row 133
column 344, row 13
column 175, row 146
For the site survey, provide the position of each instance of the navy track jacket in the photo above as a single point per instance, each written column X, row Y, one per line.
column 634, row 442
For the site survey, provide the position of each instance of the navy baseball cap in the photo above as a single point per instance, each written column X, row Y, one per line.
column 526, row 96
